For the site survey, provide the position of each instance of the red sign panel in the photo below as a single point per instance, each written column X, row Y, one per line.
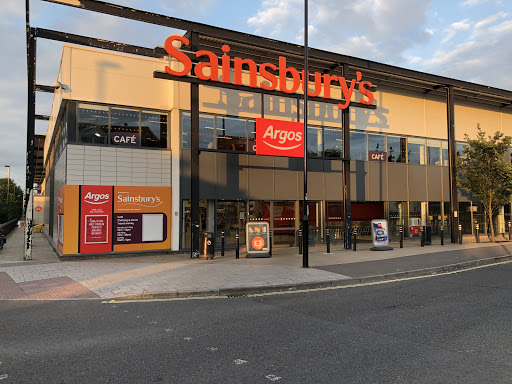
column 95, row 218
column 279, row 138
column 38, row 209
column 377, row 156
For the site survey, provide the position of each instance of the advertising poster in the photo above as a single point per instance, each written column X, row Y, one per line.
column 141, row 218
column 380, row 235
column 257, row 239
column 95, row 218
column 279, row 138
column 67, row 230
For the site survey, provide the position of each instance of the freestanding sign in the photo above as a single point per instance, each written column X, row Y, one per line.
column 257, row 239
column 380, row 235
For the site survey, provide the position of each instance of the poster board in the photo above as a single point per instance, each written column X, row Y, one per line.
column 380, row 235
column 257, row 239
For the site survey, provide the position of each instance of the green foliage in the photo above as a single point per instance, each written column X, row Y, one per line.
column 484, row 171
column 11, row 206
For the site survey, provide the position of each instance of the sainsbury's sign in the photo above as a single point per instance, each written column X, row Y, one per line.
column 279, row 138
column 272, row 77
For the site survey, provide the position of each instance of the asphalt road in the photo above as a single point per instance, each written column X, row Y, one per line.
column 446, row 329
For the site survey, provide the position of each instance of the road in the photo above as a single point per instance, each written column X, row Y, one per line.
column 453, row 328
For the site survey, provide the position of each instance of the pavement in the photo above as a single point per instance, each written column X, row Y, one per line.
column 46, row 277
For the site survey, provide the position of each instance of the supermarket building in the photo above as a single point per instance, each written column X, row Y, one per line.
column 117, row 155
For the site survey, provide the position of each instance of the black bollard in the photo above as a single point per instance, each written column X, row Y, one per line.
column 477, row 233
column 460, row 233
column 442, row 234
column 222, row 243
column 300, row 241
column 328, row 239
column 270, row 240
column 237, row 238
column 401, row 236
column 355, row 239
column 509, row 225
column 422, row 237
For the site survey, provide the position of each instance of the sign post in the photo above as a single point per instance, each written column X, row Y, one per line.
column 257, row 239
column 380, row 235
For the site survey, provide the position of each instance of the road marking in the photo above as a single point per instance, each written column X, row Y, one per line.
column 212, row 349
column 273, row 377
column 187, row 338
column 433, row 274
column 239, row 361
column 4, row 376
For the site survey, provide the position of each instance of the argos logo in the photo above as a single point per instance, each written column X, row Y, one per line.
column 96, row 198
column 279, row 138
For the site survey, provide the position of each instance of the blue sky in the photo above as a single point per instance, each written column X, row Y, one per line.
column 463, row 39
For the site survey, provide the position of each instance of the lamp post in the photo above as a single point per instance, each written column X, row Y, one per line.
column 8, row 179
column 305, row 229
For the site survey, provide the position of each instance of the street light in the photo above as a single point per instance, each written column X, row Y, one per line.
column 8, row 179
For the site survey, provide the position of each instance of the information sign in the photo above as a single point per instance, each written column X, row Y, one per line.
column 380, row 235
column 257, row 239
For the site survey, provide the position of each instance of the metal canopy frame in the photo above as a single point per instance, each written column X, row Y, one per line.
column 268, row 50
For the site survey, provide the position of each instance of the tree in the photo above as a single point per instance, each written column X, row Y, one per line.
column 485, row 173
column 11, row 204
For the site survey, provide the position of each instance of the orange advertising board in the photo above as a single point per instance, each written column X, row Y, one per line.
column 68, row 219
column 142, row 218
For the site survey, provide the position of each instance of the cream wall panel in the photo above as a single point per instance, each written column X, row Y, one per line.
column 436, row 118
column 115, row 78
column 468, row 116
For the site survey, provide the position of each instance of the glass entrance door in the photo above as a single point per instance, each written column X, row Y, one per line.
column 283, row 220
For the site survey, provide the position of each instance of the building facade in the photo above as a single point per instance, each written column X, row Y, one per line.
column 115, row 125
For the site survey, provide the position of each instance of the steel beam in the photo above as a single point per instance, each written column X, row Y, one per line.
column 454, row 201
column 347, row 207
column 195, row 217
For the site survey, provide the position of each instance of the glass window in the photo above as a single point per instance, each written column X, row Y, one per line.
column 315, row 142
column 206, row 131
column 124, row 127
column 397, row 147
column 185, row 130
column 153, row 129
column 459, row 148
column 415, row 150
column 251, row 135
column 433, row 152
column 92, row 124
column 231, row 134
column 333, row 140
column 358, row 149
column 444, row 149
column 376, row 143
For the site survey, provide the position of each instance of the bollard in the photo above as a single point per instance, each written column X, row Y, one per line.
column 401, row 236
column 422, row 236
column 442, row 234
column 328, row 239
column 237, row 238
column 477, row 233
column 270, row 241
column 509, row 225
column 300, row 241
column 460, row 234
column 355, row 239
column 222, row 243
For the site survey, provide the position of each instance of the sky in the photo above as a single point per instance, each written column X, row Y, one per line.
column 463, row 39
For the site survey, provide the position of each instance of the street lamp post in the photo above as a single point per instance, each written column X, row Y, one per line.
column 8, row 179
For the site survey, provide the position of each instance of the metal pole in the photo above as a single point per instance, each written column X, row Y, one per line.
column 8, row 180
column 222, row 243
column 305, row 224
column 401, row 236
column 300, row 242
column 328, row 239
column 454, row 204
column 354, row 243
column 442, row 234
column 195, row 216
column 237, row 238
column 347, row 207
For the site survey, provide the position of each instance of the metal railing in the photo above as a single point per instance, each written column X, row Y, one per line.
column 6, row 228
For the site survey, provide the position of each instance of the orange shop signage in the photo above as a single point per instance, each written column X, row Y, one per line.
column 272, row 77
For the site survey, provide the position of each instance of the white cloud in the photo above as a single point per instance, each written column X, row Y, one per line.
column 455, row 28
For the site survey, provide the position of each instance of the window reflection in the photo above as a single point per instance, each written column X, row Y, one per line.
column 124, row 127
column 415, row 150
column 333, row 142
column 92, row 124
column 153, row 129
column 358, row 150
column 231, row 133
column 433, row 152
column 315, row 142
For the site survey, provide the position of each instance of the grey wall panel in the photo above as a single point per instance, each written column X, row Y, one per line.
column 285, row 178
column 359, row 180
column 434, row 181
column 315, row 179
column 229, row 171
column 446, row 184
column 207, row 175
column 378, row 181
column 417, row 182
column 243, row 176
column 185, row 174
column 333, row 180
column 261, row 178
column 397, row 182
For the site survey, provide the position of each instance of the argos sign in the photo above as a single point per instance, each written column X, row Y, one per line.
column 279, row 138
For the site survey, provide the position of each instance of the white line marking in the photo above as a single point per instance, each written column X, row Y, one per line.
column 212, row 349
column 4, row 376
column 187, row 338
column 239, row 361
column 273, row 377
